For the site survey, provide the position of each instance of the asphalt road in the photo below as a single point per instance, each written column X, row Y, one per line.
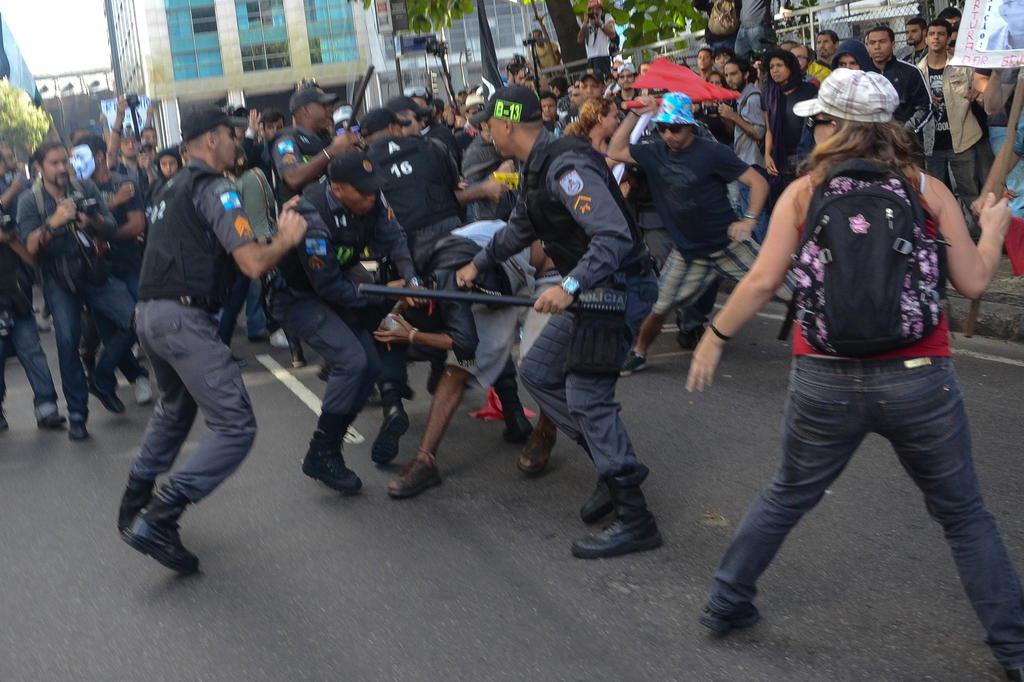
column 474, row 580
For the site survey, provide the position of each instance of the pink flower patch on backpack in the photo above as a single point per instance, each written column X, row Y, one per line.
column 859, row 224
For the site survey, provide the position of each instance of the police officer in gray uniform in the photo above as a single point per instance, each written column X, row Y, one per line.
column 570, row 201
column 199, row 233
column 320, row 304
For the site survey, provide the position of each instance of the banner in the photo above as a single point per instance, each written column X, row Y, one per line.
column 991, row 34
column 109, row 109
column 488, row 56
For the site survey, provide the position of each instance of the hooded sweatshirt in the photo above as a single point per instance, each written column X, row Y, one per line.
column 859, row 52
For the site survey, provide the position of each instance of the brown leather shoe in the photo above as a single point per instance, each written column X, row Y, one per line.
column 417, row 475
column 537, row 452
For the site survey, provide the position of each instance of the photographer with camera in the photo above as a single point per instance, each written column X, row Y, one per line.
column 124, row 199
column 597, row 32
column 18, row 333
column 63, row 222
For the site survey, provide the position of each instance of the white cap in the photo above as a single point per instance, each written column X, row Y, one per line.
column 862, row 96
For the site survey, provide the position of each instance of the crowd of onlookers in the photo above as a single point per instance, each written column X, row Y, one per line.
column 958, row 117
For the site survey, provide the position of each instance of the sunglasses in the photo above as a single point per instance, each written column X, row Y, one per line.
column 670, row 127
column 813, row 123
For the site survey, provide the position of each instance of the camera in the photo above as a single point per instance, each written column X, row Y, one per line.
column 6, row 224
column 707, row 110
column 84, row 204
column 438, row 48
column 132, row 100
column 529, row 41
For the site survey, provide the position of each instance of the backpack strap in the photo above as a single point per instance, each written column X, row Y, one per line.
column 37, row 193
column 856, row 167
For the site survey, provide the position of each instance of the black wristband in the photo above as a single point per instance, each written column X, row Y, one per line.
column 718, row 333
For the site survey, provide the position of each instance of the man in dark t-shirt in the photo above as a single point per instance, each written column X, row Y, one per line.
column 688, row 177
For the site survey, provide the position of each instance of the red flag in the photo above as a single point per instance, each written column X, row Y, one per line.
column 1014, row 244
column 665, row 75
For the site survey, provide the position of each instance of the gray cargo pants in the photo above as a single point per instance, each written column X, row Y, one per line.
column 583, row 406
column 193, row 369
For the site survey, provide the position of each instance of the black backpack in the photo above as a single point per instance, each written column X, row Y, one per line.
column 869, row 279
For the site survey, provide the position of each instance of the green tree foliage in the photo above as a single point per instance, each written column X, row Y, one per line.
column 22, row 124
column 646, row 21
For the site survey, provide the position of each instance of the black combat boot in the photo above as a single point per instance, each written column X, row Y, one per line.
column 325, row 463
column 633, row 530
column 324, row 460
column 155, row 532
column 137, row 495
column 517, row 427
column 599, row 504
column 394, row 426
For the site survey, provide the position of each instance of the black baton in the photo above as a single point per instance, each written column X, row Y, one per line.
column 597, row 300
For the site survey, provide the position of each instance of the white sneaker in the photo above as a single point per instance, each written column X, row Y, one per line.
column 278, row 339
column 143, row 392
column 43, row 323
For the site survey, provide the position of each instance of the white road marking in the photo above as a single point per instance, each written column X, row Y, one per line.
column 986, row 356
column 304, row 394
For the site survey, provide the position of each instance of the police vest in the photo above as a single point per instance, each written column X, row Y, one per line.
column 349, row 236
column 183, row 257
column 417, row 181
column 307, row 147
column 563, row 239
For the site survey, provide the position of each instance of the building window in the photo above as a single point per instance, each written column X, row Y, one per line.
column 332, row 33
column 262, row 34
column 195, row 44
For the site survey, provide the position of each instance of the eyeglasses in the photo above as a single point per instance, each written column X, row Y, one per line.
column 673, row 128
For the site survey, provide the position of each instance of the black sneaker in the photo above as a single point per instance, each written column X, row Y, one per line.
column 688, row 340
column 722, row 624
column 633, row 363
column 77, row 430
column 110, row 401
column 52, row 421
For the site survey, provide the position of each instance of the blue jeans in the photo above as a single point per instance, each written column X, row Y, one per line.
column 23, row 341
column 752, row 40
column 1015, row 180
column 109, row 301
column 832, row 406
column 720, row 41
column 245, row 292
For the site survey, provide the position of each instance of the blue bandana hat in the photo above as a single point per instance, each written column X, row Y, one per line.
column 676, row 108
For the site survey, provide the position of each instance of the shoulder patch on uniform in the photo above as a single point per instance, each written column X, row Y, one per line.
column 230, row 200
column 582, row 204
column 315, row 263
column 316, row 247
column 286, row 146
column 289, row 158
column 571, row 183
column 242, row 227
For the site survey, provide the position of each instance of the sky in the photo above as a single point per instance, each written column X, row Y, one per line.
column 74, row 39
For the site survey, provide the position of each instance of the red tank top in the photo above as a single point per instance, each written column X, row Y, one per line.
column 935, row 345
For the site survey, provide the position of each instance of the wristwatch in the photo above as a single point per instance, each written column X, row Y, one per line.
column 750, row 216
column 571, row 285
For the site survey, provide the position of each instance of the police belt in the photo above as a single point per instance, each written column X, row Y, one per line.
column 200, row 302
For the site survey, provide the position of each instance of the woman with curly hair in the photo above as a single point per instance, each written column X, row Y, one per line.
column 597, row 122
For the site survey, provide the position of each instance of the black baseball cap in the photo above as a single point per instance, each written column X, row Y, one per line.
column 204, row 119
column 590, row 73
column 310, row 95
column 396, row 104
column 376, row 120
column 353, row 167
column 511, row 103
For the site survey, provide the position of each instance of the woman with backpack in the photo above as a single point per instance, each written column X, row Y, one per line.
column 871, row 240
